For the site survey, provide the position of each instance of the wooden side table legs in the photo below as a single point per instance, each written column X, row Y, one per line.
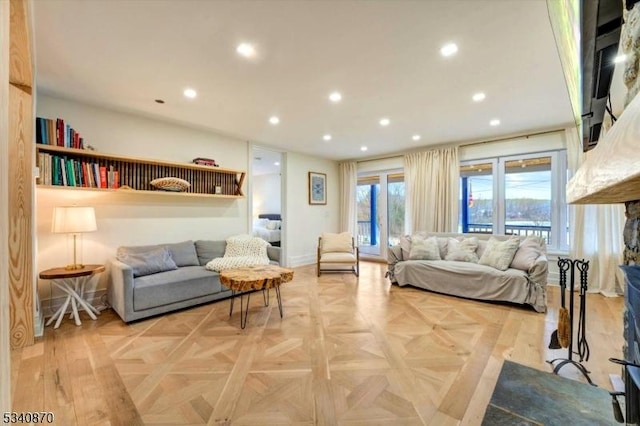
column 74, row 288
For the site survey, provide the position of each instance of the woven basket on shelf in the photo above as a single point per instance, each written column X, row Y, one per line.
column 170, row 184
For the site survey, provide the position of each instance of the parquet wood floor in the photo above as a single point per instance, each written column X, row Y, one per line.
column 349, row 351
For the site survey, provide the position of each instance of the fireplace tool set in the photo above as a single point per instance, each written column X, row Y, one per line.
column 563, row 336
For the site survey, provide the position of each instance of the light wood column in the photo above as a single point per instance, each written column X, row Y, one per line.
column 20, row 178
column 5, row 368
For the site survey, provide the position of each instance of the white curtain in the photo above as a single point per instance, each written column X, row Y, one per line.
column 595, row 230
column 432, row 181
column 348, row 200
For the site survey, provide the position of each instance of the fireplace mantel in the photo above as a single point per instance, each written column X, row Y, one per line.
column 611, row 172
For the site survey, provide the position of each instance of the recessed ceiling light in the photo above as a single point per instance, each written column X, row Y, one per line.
column 449, row 49
column 416, row 137
column 384, row 121
column 363, row 148
column 274, row 120
column 494, row 122
column 190, row 93
column 245, row 49
column 478, row 97
column 327, row 137
column 277, row 163
column 335, row 97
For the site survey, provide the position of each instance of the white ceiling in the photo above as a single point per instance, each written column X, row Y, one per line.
column 383, row 56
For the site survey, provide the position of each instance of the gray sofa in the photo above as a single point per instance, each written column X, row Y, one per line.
column 518, row 284
column 146, row 286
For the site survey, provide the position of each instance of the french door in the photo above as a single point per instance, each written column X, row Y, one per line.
column 380, row 206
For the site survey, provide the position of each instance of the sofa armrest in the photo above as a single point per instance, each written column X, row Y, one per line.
column 120, row 293
column 394, row 255
column 274, row 253
column 539, row 271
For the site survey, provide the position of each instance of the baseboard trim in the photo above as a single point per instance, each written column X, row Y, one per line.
column 49, row 306
column 308, row 259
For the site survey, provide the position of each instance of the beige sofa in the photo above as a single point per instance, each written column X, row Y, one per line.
column 523, row 282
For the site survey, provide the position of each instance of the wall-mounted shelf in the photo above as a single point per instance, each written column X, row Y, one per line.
column 135, row 174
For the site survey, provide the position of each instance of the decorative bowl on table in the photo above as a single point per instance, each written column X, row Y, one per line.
column 173, row 184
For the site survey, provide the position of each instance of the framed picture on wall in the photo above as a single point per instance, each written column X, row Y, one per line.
column 317, row 188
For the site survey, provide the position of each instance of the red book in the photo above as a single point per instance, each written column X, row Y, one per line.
column 103, row 177
column 116, row 179
column 60, row 132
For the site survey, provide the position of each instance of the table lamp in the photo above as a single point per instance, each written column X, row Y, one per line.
column 74, row 220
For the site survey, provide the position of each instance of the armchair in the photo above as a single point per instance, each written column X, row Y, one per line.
column 338, row 253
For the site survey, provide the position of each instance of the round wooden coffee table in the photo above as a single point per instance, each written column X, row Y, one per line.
column 250, row 278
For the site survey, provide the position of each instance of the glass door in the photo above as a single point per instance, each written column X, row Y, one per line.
column 368, row 203
column 380, row 212
column 395, row 208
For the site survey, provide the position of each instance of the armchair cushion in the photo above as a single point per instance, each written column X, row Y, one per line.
column 338, row 257
column 342, row 242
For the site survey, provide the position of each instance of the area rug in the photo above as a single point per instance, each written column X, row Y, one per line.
column 525, row 396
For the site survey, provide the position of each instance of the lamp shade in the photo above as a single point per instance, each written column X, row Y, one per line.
column 73, row 219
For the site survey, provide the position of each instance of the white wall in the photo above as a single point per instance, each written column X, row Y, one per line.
column 266, row 194
column 5, row 353
column 304, row 222
column 130, row 219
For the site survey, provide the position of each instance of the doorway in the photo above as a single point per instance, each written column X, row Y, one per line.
column 266, row 206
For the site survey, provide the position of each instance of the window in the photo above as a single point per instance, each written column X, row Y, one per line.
column 517, row 195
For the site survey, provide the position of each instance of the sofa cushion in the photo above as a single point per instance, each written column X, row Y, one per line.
column 527, row 254
column 336, row 242
column 174, row 286
column 424, row 249
column 148, row 262
column 207, row 250
column 499, row 254
column 462, row 251
column 183, row 254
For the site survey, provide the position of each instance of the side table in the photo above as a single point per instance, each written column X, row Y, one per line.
column 72, row 282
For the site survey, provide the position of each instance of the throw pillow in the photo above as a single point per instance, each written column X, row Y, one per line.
column 462, row 251
column 147, row 263
column 260, row 223
column 405, row 243
column 272, row 225
column 424, row 249
column 332, row 243
column 530, row 249
column 499, row 254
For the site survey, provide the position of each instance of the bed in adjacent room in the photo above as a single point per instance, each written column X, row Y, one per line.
column 267, row 227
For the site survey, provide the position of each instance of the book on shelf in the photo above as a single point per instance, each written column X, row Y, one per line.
column 57, row 133
column 103, row 177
